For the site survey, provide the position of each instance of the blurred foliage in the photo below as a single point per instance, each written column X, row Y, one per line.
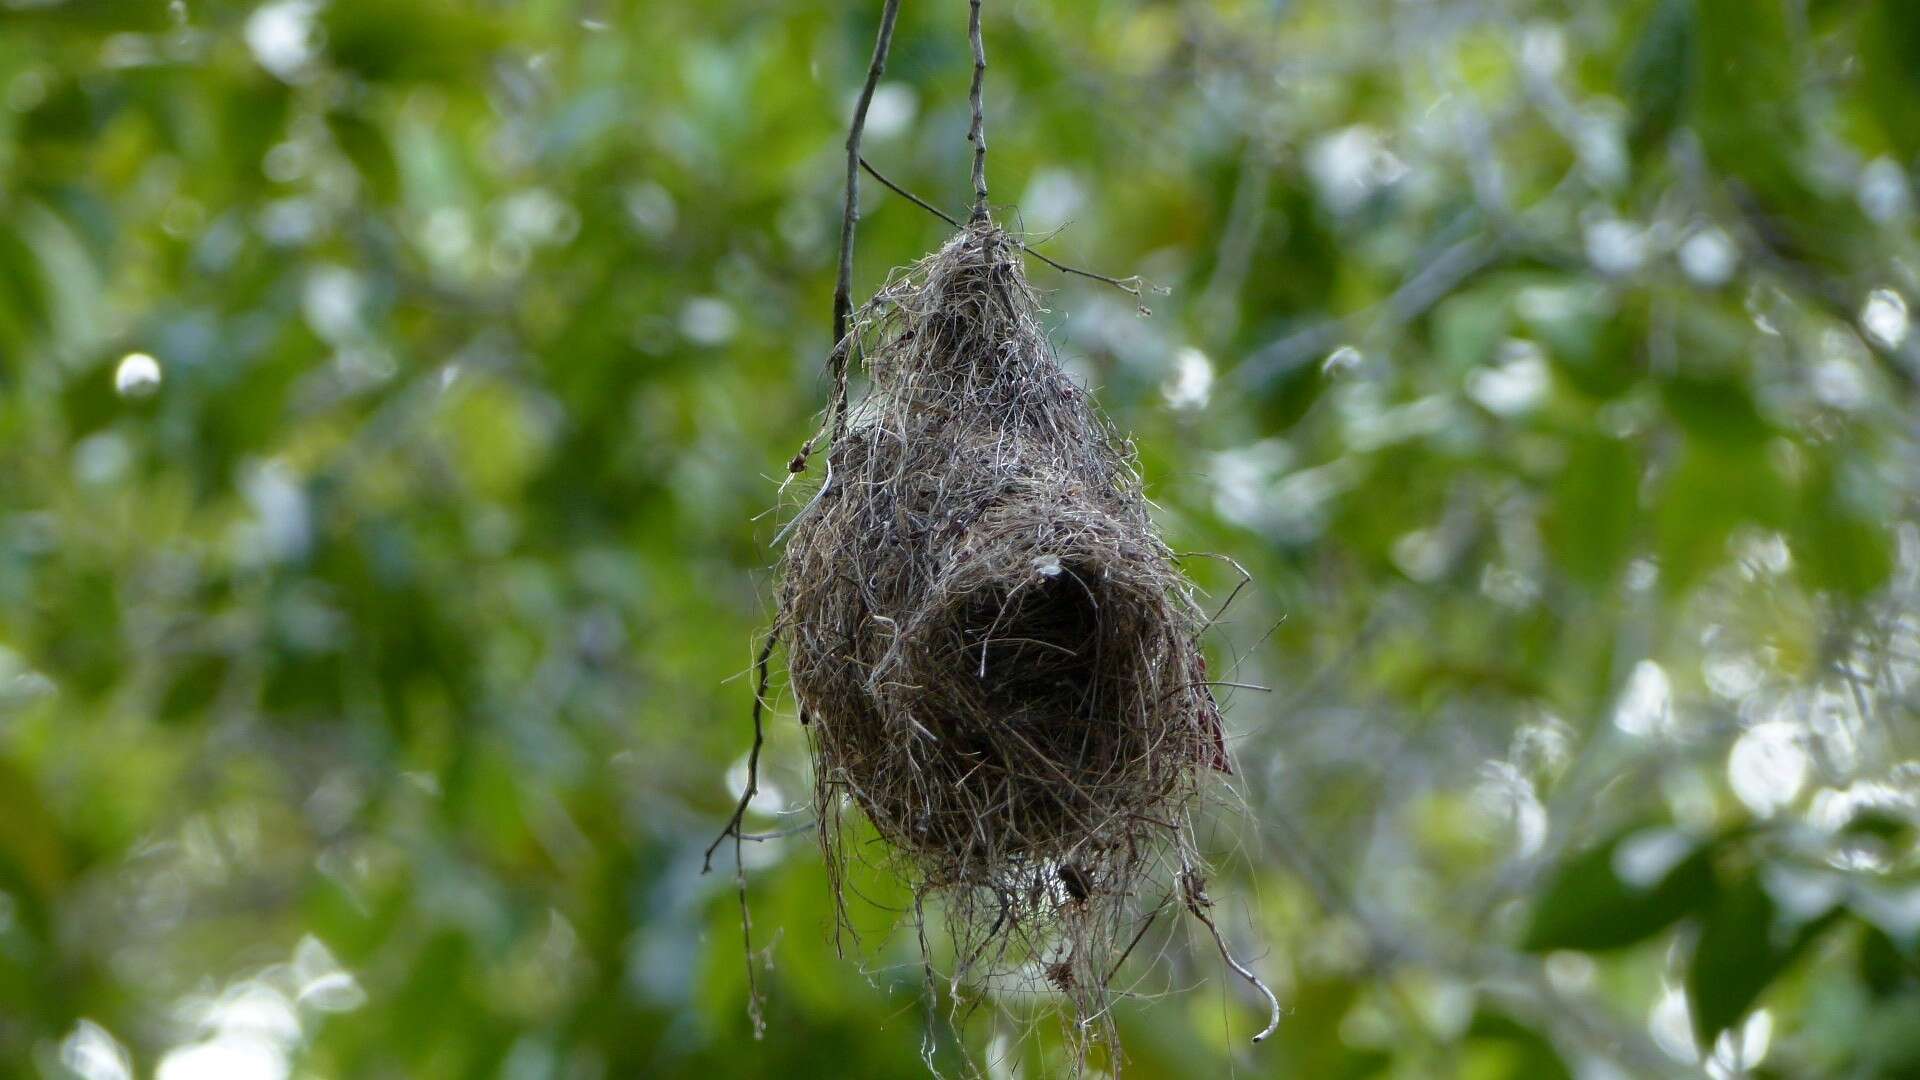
column 391, row 395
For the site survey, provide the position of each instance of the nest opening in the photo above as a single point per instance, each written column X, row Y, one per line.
column 1020, row 709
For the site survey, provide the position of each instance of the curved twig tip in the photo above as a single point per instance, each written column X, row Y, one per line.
column 1198, row 902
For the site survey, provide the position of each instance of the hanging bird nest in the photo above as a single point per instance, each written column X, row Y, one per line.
column 994, row 651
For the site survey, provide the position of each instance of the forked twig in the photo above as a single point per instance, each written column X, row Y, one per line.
column 1136, row 285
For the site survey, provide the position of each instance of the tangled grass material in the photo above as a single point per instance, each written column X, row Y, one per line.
column 993, row 650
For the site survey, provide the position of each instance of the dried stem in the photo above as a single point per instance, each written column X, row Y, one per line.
column 977, row 134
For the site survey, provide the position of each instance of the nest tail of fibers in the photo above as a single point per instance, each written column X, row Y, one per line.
column 993, row 649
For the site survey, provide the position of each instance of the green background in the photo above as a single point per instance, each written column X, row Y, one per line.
column 369, row 684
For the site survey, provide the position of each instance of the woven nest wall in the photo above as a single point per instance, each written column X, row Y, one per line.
column 993, row 650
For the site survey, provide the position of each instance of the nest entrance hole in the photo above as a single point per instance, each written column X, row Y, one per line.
column 1032, row 683
column 1038, row 654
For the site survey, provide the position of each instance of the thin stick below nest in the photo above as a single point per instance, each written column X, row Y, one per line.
column 1198, row 904
column 755, row 1013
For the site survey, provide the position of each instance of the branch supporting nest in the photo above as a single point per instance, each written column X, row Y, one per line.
column 977, row 134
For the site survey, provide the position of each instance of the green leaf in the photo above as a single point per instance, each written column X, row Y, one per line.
column 1837, row 546
column 1884, row 969
column 1503, row 1048
column 194, row 684
column 1290, row 395
column 1587, row 906
column 1467, row 326
column 1746, row 108
column 1887, row 1040
column 1571, row 316
column 1591, row 521
column 1659, row 73
column 24, row 303
column 366, row 146
column 33, row 861
column 1749, row 113
column 409, row 40
column 1718, row 410
column 92, row 17
column 1745, row 942
column 1709, row 494
column 1888, row 43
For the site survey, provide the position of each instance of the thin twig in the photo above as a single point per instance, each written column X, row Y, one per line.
column 1136, row 286
column 842, row 309
column 908, row 195
column 850, row 213
column 1198, row 902
column 753, row 755
column 977, row 134
column 733, row 829
column 1145, row 925
column 780, row 834
column 1133, row 285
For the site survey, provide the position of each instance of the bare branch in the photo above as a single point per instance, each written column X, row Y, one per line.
column 1135, row 285
column 780, row 834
